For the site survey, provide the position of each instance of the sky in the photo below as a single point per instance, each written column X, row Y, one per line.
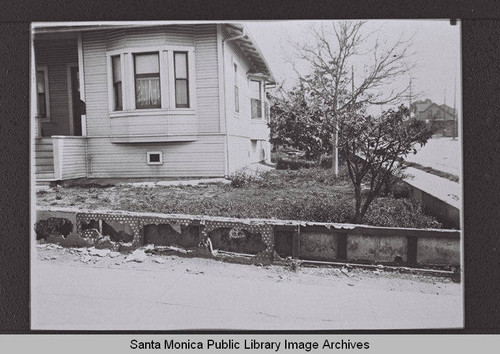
column 436, row 48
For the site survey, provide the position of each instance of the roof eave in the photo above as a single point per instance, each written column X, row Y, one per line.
column 244, row 44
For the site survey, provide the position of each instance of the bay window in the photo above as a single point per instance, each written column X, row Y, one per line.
column 181, row 80
column 147, row 80
column 151, row 78
column 117, row 83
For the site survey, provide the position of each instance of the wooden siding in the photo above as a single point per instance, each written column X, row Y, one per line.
column 56, row 54
column 71, row 155
column 154, row 125
column 207, row 78
column 239, row 152
column 240, row 123
column 202, row 158
column 96, row 84
column 202, row 37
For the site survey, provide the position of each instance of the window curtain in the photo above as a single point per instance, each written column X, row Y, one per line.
column 148, row 91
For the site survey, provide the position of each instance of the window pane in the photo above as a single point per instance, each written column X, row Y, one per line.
column 181, row 93
column 236, row 99
column 147, row 63
column 42, row 112
column 256, row 108
column 181, row 66
column 118, row 96
column 255, row 89
column 148, row 92
column 40, row 81
column 117, row 69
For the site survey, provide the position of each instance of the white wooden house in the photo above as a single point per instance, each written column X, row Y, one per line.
column 149, row 100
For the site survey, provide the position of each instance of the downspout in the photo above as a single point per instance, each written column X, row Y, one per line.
column 225, row 94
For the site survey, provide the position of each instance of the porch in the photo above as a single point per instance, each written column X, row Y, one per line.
column 59, row 158
column 57, row 107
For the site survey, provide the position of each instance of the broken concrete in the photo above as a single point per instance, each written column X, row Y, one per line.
column 258, row 239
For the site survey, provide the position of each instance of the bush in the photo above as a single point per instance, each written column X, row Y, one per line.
column 326, row 162
column 240, row 178
column 390, row 212
column 283, row 163
column 319, row 208
column 399, row 191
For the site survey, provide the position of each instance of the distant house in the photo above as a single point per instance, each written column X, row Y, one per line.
column 126, row 101
column 443, row 117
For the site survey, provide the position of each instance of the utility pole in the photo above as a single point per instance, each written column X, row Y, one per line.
column 444, row 112
column 409, row 99
column 455, row 116
column 352, row 78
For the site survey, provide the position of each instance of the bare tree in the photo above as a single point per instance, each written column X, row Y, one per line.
column 331, row 80
column 375, row 148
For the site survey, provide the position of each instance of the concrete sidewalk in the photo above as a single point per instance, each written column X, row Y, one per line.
column 441, row 188
column 443, row 154
column 185, row 293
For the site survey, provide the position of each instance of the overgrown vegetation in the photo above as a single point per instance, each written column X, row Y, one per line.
column 307, row 194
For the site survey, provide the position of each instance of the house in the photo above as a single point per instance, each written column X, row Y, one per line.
column 443, row 117
column 150, row 100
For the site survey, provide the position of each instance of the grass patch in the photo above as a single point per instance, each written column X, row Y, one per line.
column 433, row 171
column 309, row 194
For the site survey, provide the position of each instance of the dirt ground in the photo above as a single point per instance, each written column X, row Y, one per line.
column 388, row 280
column 80, row 290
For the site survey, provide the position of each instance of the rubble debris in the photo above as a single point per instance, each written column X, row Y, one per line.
column 99, row 252
column 114, row 254
column 86, row 259
column 137, row 256
column 159, row 260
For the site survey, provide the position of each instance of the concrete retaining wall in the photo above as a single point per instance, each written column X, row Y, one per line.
column 446, row 213
column 262, row 238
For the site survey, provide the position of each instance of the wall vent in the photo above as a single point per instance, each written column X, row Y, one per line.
column 155, row 158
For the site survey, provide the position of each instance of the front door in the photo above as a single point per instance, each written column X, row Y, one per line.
column 75, row 99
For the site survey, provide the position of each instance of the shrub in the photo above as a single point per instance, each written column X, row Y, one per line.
column 283, row 163
column 326, row 162
column 319, row 208
column 240, row 178
column 399, row 213
column 399, row 190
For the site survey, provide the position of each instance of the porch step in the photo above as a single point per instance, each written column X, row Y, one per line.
column 42, row 176
column 44, row 154
column 43, row 147
column 44, row 159
column 44, row 168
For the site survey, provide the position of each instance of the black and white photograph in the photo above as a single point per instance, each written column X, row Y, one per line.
column 246, row 175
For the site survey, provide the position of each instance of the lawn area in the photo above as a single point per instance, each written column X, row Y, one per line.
column 306, row 194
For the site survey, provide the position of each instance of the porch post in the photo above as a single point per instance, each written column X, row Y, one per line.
column 36, row 126
column 81, row 79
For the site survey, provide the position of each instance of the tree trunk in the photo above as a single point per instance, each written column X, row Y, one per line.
column 357, row 196
column 335, row 156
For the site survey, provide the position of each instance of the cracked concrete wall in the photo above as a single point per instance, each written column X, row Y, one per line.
column 307, row 241
column 248, row 242
column 168, row 235
column 318, row 244
column 376, row 248
column 435, row 251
